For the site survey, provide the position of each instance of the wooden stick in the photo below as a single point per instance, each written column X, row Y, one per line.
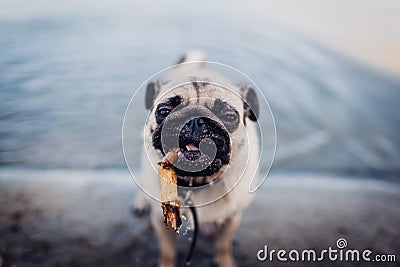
column 169, row 191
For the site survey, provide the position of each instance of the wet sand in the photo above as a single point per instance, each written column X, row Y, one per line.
column 83, row 218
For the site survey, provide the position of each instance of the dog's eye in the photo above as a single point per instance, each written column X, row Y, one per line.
column 164, row 112
column 229, row 116
column 161, row 114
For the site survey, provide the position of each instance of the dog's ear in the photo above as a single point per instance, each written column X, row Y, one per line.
column 152, row 90
column 250, row 102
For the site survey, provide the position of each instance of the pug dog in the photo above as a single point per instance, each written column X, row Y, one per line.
column 185, row 116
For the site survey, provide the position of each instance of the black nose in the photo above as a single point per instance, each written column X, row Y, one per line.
column 195, row 126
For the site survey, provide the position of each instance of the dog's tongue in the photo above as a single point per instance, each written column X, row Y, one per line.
column 191, row 147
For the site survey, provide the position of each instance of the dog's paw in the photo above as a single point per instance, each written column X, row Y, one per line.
column 166, row 264
column 225, row 260
column 140, row 206
column 138, row 211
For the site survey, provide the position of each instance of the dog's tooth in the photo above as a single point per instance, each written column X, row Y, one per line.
column 191, row 147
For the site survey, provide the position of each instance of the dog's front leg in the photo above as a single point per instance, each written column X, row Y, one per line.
column 166, row 241
column 223, row 257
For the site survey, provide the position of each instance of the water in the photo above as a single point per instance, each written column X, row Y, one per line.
column 67, row 72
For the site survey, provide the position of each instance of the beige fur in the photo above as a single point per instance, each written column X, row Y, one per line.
column 245, row 148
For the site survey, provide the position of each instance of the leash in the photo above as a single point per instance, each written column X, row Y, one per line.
column 194, row 237
column 189, row 202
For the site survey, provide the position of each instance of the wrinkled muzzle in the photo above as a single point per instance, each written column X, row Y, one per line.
column 202, row 138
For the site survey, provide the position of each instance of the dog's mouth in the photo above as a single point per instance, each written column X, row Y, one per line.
column 190, row 152
column 200, row 161
column 203, row 152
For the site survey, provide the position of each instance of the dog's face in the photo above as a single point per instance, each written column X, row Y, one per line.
column 202, row 120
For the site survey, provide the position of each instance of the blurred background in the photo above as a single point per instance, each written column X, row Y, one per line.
column 330, row 71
